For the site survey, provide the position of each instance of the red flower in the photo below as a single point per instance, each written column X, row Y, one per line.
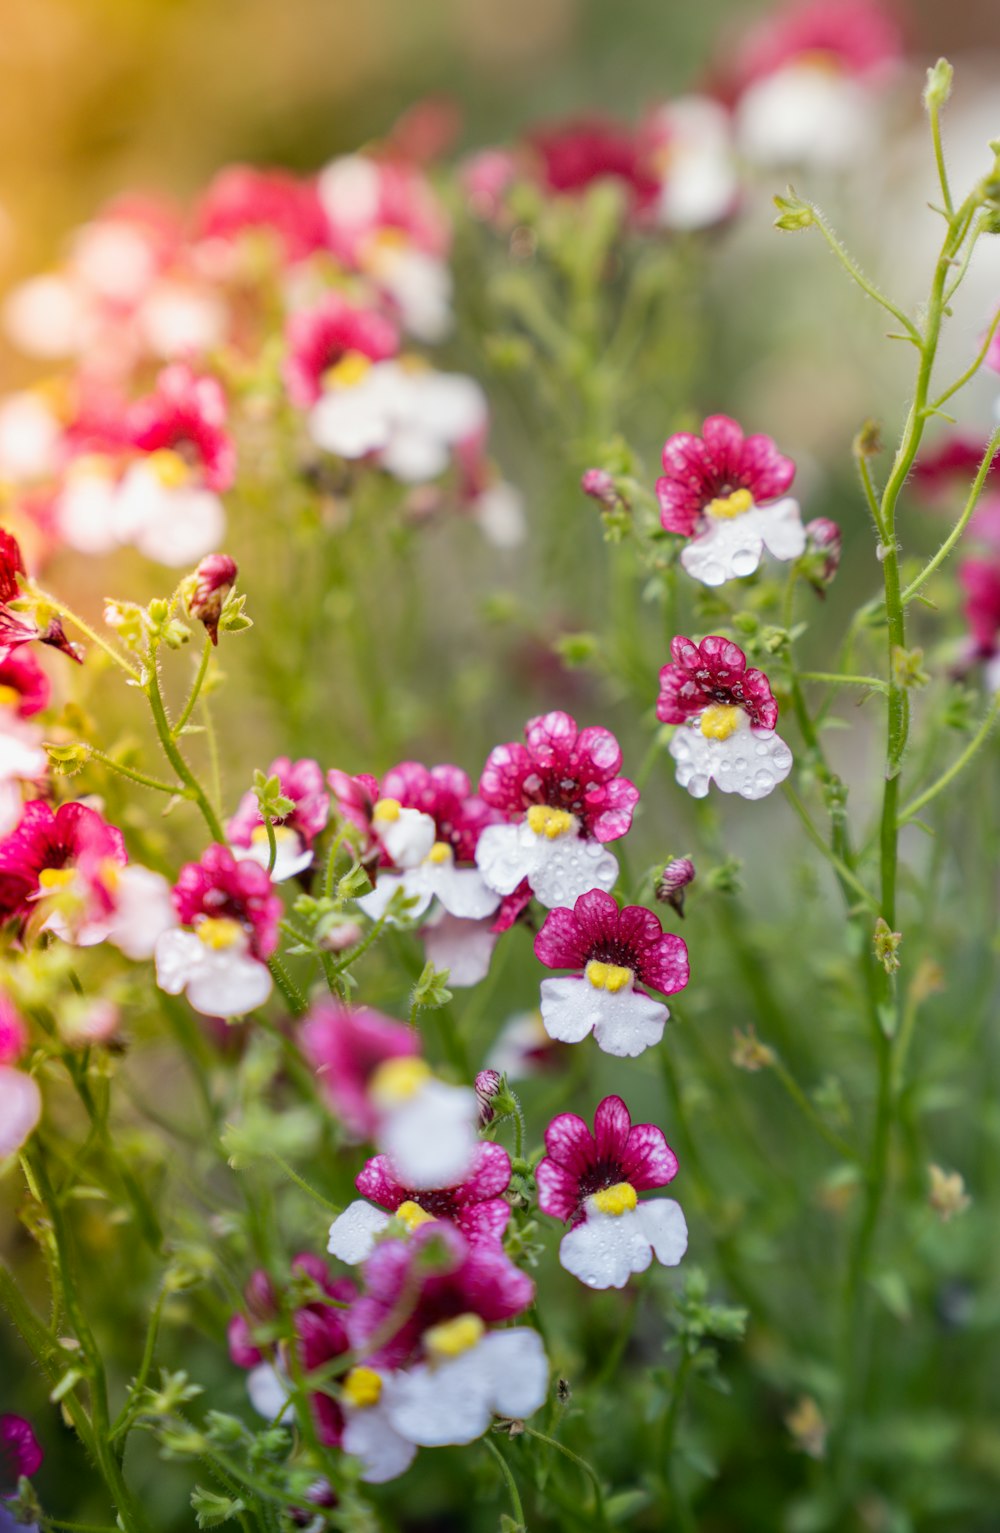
column 631, row 939
column 476, row 1206
column 445, row 793
column 221, row 888
column 564, row 768
column 318, row 339
column 575, row 154
column 18, row 628
column 714, row 671
column 698, row 470
column 580, row 1163
column 302, row 782
column 243, row 199
column 187, row 415
column 21, row 673
column 345, row 1046
column 45, row 841
column 980, row 580
column 858, row 35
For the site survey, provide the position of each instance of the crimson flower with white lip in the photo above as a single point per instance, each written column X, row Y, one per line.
column 562, row 793
column 303, row 783
column 477, row 1205
column 242, row 201
column 725, row 493
column 331, row 347
column 728, row 714
column 592, row 1180
column 616, row 952
column 232, row 913
column 346, row 1045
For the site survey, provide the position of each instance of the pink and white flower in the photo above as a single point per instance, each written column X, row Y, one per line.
column 728, row 716
column 477, row 1205
column 425, row 1127
column 330, row 350
column 244, row 203
column 232, row 913
column 809, row 79
column 616, row 952
column 592, row 1181
column 303, row 783
column 346, row 1045
column 30, row 437
column 20, row 1098
column 688, row 145
column 168, row 501
column 442, row 1374
column 564, row 800
column 725, row 493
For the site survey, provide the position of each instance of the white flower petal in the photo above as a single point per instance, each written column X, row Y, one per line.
column 504, row 857
column 413, row 455
column 499, row 510
column 178, row 320
column 352, row 1233
column 177, row 954
column 568, row 867
column 628, row 1023
column 269, row 1392
column 514, row 1361
column 430, row 1139
column 408, row 838
column 21, row 756
column 293, row 856
column 462, row 891
column 85, row 512
column 728, row 549
column 415, row 886
column 228, row 984
column 29, row 437
column 664, row 1226
column 47, row 317
column 464, row 948
column 449, row 1403
column 751, row 762
column 143, row 911
column 804, row 114
column 20, row 1108
column 370, row 1436
column 569, row 1010
column 350, row 422
column 782, row 530
column 606, row 1249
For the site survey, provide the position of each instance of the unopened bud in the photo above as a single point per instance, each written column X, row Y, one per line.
column 488, row 1084
column 821, row 559
column 887, row 945
column 672, row 882
column 210, row 584
column 938, row 87
column 599, row 485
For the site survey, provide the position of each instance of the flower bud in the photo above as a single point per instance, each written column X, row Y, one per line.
column 672, row 882
column 599, row 485
column 947, row 1195
column 821, row 559
column 488, row 1084
column 210, row 584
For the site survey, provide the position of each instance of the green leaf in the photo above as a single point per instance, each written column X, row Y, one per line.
column 211, row 1509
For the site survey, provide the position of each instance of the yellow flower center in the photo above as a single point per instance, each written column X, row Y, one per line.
column 348, row 372
column 218, row 932
column 53, row 880
column 440, row 852
column 725, row 507
column 548, row 822
column 412, row 1215
column 397, row 1080
column 387, row 809
column 720, row 720
column 362, row 1388
column 169, row 468
column 110, row 873
column 617, row 1200
column 453, row 1337
column 281, row 833
column 607, row 976
column 9, row 697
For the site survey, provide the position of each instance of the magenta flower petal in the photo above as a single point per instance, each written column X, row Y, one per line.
column 569, row 1142
column 612, row 1123
column 648, row 1159
column 20, row 1451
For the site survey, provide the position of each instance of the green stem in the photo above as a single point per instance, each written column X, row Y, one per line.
column 836, row 680
column 142, row 778
column 915, row 805
column 505, row 1470
column 843, row 872
column 196, row 687
column 92, row 635
column 858, row 276
column 960, row 525
column 934, row 113
column 173, row 754
column 808, row 1109
column 290, row 993
column 581, row 1464
column 682, row 1512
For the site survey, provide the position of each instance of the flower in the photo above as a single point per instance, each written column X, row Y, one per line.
column 30, row 433
column 331, row 346
column 688, row 146
column 410, row 416
column 613, row 950
column 728, row 716
column 221, row 964
column 24, row 686
column 43, row 855
column 345, row 1046
column 821, row 560
column 672, row 882
column 425, row 1127
column 592, row 1181
column 168, row 501
column 980, row 580
column 320, row 1336
column 574, row 155
column 720, row 491
column 476, row 1205
column 807, row 78
column 302, row 782
column 441, row 1374
column 244, row 201
column 562, row 791
column 24, row 691
column 20, row 1106
column 206, row 593
column 443, row 796
column 34, row 621
column 20, row 1453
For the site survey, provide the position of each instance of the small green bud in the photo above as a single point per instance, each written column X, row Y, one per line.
column 430, row 992
column 793, row 212
column 938, row 87
column 887, row 945
column 907, row 667
column 67, row 760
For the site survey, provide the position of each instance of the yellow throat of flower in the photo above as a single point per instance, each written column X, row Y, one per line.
column 398, row 1080
column 362, row 1388
column 439, row 853
column 412, row 1215
column 725, row 507
column 55, row 880
column 607, row 976
column 388, row 810
column 548, row 822
column 617, row 1200
column 348, row 372
column 218, row 932
column 720, row 720
column 169, row 468
column 9, row 697
column 453, row 1337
